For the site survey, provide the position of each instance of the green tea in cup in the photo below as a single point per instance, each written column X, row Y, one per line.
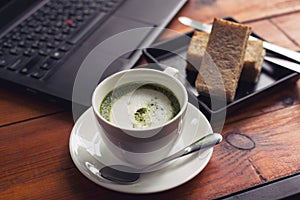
column 139, row 105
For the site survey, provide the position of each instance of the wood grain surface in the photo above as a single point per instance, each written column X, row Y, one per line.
column 261, row 140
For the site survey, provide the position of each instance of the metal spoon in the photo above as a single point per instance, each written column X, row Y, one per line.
column 125, row 175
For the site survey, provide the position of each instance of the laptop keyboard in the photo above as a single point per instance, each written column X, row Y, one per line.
column 35, row 47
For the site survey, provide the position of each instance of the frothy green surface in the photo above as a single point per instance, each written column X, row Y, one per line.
column 142, row 115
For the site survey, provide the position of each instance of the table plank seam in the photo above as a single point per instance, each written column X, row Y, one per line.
column 284, row 33
column 270, row 16
column 261, row 177
column 254, row 116
column 32, row 118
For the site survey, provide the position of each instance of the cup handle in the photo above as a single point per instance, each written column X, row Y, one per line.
column 172, row 72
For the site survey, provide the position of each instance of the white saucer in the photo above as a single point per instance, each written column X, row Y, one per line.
column 88, row 151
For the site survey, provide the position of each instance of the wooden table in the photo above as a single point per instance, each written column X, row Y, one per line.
column 34, row 134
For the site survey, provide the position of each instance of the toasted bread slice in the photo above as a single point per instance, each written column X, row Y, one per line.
column 253, row 60
column 196, row 50
column 226, row 48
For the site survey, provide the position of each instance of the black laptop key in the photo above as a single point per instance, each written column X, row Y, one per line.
column 24, row 70
column 57, row 55
column 22, row 43
column 45, row 51
column 44, row 37
column 65, row 47
column 38, row 29
column 73, row 24
column 33, row 23
column 38, row 74
column 29, row 52
column 58, row 24
column 66, row 30
column 15, row 65
column 15, row 51
column 31, row 36
column 48, row 64
column 2, row 62
column 79, row 18
column 88, row 11
column 50, row 45
column 46, row 23
column 60, row 37
column 37, row 44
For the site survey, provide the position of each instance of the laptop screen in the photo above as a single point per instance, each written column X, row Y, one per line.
column 10, row 10
column 3, row 3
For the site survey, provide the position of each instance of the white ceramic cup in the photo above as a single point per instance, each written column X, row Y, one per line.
column 141, row 146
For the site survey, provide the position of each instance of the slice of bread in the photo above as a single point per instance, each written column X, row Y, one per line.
column 226, row 48
column 196, row 50
column 253, row 59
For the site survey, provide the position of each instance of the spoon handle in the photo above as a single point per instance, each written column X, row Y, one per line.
column 204, row 142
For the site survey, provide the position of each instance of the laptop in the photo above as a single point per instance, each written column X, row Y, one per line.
column 46, row 46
